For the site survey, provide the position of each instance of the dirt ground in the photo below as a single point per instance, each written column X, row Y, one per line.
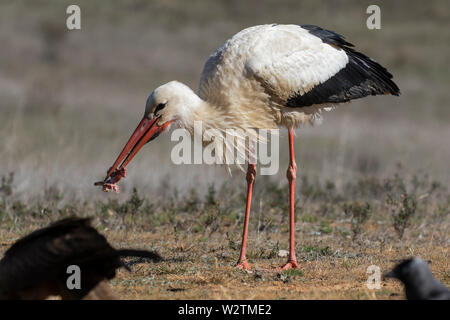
column 205, row 270
column 199, row 239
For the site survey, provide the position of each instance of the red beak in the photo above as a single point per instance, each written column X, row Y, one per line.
column 147, row 130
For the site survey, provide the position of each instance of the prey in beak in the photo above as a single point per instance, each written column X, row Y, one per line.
column 147, row 130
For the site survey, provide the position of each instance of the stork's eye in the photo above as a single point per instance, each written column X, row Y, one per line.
column 158, row 108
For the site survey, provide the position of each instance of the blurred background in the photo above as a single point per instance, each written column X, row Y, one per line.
column 70, row 99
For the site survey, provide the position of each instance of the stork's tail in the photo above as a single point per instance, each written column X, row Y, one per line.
column 360, row 77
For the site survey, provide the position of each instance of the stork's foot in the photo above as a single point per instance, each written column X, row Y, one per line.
column 242, row 264
column 291, row 264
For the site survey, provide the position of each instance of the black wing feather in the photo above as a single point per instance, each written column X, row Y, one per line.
column 362, row 76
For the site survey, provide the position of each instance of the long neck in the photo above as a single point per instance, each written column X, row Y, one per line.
column 228, row 117
column 199, row 112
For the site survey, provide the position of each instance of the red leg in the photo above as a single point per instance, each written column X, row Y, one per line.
column 251, row 172
column 291, row 175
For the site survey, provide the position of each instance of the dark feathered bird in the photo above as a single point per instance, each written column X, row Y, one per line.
column 419, row 282
column 35, row 267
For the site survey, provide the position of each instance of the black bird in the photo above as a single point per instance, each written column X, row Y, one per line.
column 35, row 267
column 419, row 282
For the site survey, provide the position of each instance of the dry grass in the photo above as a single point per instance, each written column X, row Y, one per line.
column 199, row 236
column 327, row 278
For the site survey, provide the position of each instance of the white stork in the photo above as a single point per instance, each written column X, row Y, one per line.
column 264, row 77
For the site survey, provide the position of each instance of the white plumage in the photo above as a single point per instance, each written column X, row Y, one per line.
column 283, row 59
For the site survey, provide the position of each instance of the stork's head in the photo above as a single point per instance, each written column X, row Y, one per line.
column 169, row 103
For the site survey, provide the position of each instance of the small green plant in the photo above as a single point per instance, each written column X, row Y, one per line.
column 53, row 195
column 6, row 184
column 20, row 208
column 274, row 251
column 443, row 209
column 191, row 202
column 326, row 209
column 309, row 218
column 135, row 202
column 293, row 273
column 126, row 209
column 359, row 213
column 402, row 210
column 325, row 227
column 231, row 243
column 314, row 253
column 210, row 199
